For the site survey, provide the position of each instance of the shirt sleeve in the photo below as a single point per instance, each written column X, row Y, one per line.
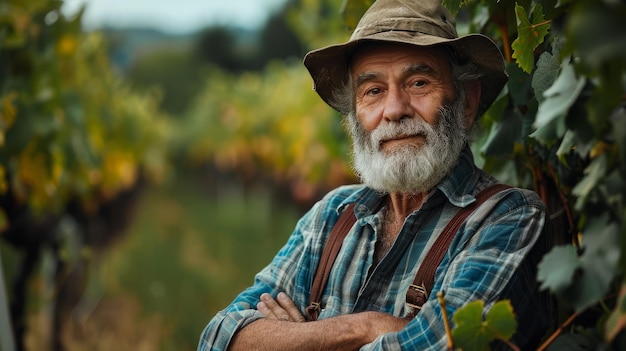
column 478, row 269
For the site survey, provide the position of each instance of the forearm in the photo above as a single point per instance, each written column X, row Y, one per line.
column 348, row 332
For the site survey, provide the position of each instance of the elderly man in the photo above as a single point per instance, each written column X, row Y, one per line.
column 411, row 90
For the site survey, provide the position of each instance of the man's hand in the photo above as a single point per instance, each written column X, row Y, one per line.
column 346, row 332
column 283, row 308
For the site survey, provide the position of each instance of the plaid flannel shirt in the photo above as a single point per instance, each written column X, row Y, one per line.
column 491, row 258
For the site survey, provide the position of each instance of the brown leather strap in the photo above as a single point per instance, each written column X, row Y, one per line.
column 423, row 283
column 331, row 250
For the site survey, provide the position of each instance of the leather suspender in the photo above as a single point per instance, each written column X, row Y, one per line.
column 331, row 250
column 417, row 293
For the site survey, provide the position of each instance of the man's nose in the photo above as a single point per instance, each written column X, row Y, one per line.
column 397, row 105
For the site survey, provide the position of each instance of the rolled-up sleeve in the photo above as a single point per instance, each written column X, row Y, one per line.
column 221, row 329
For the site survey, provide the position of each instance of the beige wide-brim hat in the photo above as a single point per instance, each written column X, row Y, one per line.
column 416, row 22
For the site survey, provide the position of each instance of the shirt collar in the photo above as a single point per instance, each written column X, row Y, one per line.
column 460, row 185
column 368, row 201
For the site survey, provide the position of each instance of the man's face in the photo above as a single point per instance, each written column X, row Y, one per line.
column 407, row 131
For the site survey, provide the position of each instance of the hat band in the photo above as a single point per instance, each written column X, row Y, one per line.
column 404, row 25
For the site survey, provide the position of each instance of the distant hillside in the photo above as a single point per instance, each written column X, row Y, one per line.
column 127, row 44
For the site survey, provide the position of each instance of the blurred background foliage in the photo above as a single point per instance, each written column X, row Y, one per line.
column 145, row 177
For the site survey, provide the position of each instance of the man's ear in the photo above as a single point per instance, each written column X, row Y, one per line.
column 472, row 100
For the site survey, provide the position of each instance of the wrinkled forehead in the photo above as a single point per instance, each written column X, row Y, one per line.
column 436, row 57
column 375, row 58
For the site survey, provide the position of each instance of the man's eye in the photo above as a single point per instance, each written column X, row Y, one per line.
column 373, row 91
column 419, row 83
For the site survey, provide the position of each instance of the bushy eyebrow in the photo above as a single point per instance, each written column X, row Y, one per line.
column 420, row 68
column 366, row 77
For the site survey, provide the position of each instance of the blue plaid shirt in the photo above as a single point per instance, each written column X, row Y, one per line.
column 492, row 257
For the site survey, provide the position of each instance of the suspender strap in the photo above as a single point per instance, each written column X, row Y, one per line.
column 331, row 250
column 423, row 283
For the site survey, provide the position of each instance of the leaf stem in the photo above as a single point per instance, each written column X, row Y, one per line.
column 511, row 345
column 558, row 332
column 446, row 324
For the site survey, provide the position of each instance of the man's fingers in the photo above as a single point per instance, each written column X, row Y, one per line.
column 283, row 308
column 262, row 307
column 287, row 304
column 271, row 309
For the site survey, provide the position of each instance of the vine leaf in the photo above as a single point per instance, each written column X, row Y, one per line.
column 546, row 73
column 567, row 144
column 557, row 268
column 594, row 174
column 529, row 36
column 560, row 96
column 453, row 6
column 474, row 333
column 503, row 135
column 585, row 280
column 600, row 262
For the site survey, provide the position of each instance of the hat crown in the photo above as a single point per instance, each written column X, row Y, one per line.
column 423, row 23
column 427, row 17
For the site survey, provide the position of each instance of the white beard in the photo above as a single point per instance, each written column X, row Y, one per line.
column 409, row 169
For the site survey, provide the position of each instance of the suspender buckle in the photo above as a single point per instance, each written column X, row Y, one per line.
column 313, row 311
column 421, row 289
column 416, row 296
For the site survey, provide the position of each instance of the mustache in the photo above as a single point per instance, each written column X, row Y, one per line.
column 405, row 128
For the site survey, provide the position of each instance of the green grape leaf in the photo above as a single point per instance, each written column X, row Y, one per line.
column 501, row 320
column 600, row 261
column 594, row 173
column 453, row 6
column 529, row 36
column 546, row 73
column 598, row 30
column 556, row 269
column 550, row 133
column 473, row 333
column 599, row 264
column 559, row 97
column 567, row 145
column 467, row 334
column 503, row 134
column 519, row 85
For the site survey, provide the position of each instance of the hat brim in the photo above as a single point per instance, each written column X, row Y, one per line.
column 329, row 66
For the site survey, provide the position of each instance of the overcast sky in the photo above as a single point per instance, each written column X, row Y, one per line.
column 176, row 16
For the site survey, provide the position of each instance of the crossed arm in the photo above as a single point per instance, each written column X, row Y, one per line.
column 480, row 272
column 285, row 329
